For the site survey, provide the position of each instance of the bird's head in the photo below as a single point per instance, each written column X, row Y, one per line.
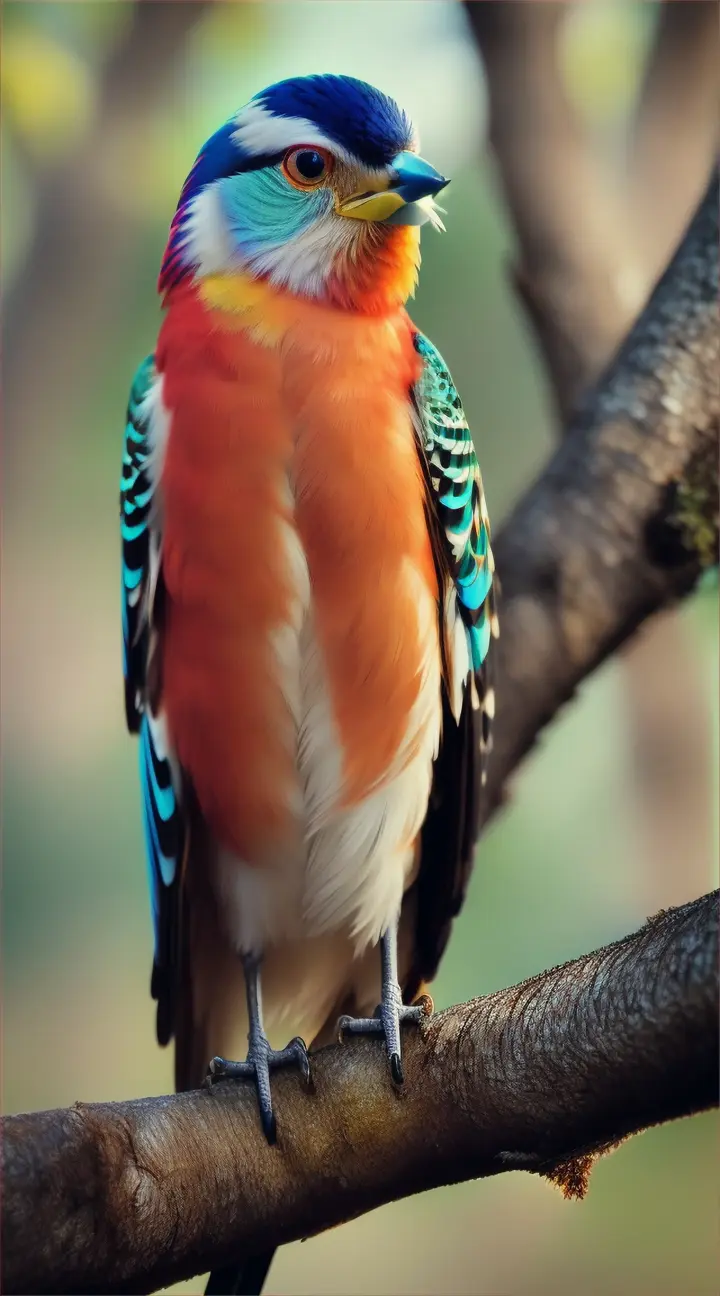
column 315, row 185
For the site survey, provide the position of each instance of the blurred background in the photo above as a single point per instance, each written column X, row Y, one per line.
column 615, row 816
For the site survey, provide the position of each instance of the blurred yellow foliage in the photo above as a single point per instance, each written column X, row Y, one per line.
column 226, row 27
column 158, row 168
column 601, row 53
column 176, row 130
column 95, row 27
column 48, row 92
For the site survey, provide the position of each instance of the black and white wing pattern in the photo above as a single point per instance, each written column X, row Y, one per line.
column 460, row 533
column 141, row 596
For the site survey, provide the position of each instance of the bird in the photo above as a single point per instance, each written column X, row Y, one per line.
column 308, row 600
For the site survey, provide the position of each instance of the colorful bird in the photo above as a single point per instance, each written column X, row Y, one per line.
column 307, row 597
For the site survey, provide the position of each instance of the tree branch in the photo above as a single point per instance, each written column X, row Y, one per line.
column 123, row 1197
column 588, row 252
column 675, row 134
column 581, row 293
column 596, row 545
column 574, row 267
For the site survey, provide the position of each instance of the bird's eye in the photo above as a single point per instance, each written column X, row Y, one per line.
column 307, row 167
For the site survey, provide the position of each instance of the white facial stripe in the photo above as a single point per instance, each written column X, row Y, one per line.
column 206, row 243
column 259, row 131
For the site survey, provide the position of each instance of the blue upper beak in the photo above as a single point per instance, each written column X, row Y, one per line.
column 396, row 200
column 415, row 178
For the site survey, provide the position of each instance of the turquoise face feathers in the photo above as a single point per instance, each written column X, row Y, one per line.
column 264, row 212
column 289, row 187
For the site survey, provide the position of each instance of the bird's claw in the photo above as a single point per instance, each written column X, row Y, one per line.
column 261, row 1059
column 386, row 1021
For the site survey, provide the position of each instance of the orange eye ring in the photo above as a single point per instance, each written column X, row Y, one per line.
column 302, row 166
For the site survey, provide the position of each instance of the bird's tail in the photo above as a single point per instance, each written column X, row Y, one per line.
column 244, row 1279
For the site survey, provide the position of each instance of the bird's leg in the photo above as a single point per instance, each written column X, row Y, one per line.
column 261, row 1058
column 391, row 1010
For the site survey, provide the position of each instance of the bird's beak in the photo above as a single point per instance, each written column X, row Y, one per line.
column 396, row 198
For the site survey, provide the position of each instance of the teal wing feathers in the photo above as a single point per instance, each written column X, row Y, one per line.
column 141, row 597
column 136, row 498
column 460, row 533
column 458, row 503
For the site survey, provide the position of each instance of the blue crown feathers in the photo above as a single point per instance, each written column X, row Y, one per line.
column 363, row 120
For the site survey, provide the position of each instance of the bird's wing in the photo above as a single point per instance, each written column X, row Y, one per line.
column 460, row 534
column 142, row 597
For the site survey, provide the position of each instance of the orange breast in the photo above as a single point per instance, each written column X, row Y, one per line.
column 359, row 512
column 320, row 405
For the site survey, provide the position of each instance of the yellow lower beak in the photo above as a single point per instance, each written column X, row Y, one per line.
column 373, row 206
column 407, row 180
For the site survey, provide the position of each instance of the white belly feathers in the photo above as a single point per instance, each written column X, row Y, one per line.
column 351, row 864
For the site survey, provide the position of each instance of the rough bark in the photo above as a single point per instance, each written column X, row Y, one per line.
column 598, row 543
column 126, row 1197
column 591, row 241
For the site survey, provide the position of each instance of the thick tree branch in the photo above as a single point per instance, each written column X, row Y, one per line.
column 582, row 292
column 125, row 1197
column 596, row 546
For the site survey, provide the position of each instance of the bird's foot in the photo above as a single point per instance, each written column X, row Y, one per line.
column 388, row 1016
column 261, row 1059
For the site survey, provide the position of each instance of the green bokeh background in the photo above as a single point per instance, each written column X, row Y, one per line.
column 91, row 172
